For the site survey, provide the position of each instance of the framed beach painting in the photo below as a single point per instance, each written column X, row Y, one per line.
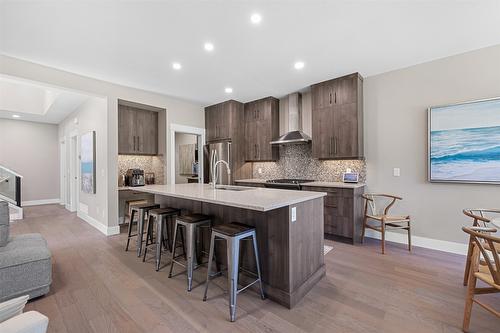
column 464, row 142
column 87, row 162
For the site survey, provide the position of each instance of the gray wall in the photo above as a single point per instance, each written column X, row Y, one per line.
column 395, row 105
column 32, row 150
column 91, row 116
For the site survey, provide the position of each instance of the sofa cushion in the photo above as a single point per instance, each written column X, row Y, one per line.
column 4, row 223
column 23, row 249
column 25, row 267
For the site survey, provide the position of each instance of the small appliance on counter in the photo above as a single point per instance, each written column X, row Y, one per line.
column 134, row 177
column 150, row 178
column 350, row 177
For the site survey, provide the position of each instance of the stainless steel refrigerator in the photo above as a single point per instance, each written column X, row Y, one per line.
column 214, row 152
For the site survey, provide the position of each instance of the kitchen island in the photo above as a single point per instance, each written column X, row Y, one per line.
column 289, row 227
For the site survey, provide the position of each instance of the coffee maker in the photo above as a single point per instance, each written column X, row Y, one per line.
column 134, row 177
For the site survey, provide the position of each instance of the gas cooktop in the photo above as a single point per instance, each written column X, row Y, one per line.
column 289, row 181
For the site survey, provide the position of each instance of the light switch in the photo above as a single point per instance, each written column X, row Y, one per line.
column 396, row 172
column 294, row 214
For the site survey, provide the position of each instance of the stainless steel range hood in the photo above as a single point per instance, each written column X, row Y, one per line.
column 294, row 135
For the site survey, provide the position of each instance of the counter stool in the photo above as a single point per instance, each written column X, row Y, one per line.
column 162, row 217
column 127, row 209
column 141, row 210
column 191, row 223
column 233, row 233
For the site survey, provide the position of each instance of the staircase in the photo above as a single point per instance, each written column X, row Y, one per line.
column 10, row 191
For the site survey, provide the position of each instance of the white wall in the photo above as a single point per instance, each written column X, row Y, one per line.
column 395, row 110
column 178, row 111
column 32, row 150
column 91, row 116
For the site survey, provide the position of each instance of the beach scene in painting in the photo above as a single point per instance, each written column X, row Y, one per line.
column 87, row 169
column 465, row 142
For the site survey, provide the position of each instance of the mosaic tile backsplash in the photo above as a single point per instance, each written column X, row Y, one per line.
column 153, row 164
column 296, row 162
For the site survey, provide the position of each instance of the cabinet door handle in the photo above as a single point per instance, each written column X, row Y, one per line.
column 330, row 147
column 138, row 143
column 335, row 97
column 330, row 97
column 134, row 142
column 335, row 146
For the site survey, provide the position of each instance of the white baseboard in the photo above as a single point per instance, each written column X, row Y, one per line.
column 108, row 231
column 429, row 243
column 40, row 202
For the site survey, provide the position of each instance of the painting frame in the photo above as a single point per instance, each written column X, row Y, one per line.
column 430, row 177
column 88, row 162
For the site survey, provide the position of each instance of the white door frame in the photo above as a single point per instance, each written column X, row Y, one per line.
column 200, row 132
column 63, row 173
column 74, row 178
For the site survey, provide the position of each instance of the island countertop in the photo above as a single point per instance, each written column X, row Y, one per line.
column 260, row 199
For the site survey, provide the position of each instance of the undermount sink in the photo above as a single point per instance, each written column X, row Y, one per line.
column 232, row 188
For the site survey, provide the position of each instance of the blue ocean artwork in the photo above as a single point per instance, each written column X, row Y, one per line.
column 462, row 145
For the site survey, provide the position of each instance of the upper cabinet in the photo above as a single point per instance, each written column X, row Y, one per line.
column 137, row 131
column 219, row 119
column 337, row 118
column 261, row 127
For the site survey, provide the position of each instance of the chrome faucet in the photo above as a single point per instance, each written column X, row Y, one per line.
column 214, row 172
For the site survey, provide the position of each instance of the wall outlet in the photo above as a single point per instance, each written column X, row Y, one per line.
column 294, row 214
column 259, row 170
column 396, row 172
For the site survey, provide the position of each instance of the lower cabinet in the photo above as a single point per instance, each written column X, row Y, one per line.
column 343, row 211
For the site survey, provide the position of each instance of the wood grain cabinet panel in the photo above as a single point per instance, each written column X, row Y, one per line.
column 261, row 127
column 337, row 118
column 137, row 131
column 343, row 215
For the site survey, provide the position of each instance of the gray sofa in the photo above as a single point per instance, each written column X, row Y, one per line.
column 25, row 262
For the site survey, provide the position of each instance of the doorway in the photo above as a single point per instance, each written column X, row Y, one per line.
column 72, row 183
column 186, row 154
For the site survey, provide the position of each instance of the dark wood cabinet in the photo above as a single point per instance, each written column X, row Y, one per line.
column 337, row 118
column 261, row 127
column 343, row 211
column 137, row 131
column 225, row 122
column 218, row 119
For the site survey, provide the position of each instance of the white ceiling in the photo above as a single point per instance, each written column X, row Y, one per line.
column 134, row 43
column 32, row 101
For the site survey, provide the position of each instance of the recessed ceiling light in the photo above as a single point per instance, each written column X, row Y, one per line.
column 208, row 46
column 16, row 116
column 228, row 90
column 176, row 66
column 299, row 65
column 256, row 18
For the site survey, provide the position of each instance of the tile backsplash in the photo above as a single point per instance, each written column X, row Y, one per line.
column 153, row 164
column 296, row 162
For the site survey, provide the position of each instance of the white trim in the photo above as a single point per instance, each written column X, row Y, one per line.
column 176, row 128
column 41, row 202
column 108, row 231
column 428, row 243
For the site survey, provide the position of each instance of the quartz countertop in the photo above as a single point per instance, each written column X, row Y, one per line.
column 318, row 184
column 260, row 199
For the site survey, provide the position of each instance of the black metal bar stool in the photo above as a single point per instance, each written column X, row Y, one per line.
column 162, row 217
column 142, row 210
column 232, row 233
column 191, row 223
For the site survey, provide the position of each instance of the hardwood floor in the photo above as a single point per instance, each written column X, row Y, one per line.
column 98, row 287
